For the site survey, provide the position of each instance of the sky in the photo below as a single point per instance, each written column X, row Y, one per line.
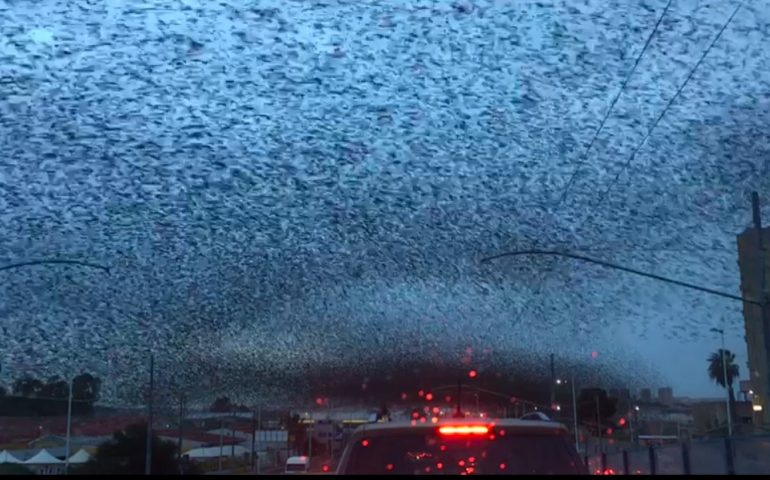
column 283, row 186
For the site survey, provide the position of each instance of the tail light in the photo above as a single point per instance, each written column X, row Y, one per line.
column 463, row 430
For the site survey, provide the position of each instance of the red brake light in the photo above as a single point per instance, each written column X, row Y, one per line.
column 463, row 430
column 325, row 468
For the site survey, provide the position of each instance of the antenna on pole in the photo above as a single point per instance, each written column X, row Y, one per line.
column 459, row 412
column 755, row 213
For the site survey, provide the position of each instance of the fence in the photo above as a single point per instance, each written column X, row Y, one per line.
column 721, row 456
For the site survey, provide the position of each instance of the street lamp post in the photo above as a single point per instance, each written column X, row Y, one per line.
column 574, row 413
column 635, row 415
column 559, row 381
column 599, row 422
column 259, row 425
column 69, row 426
column 148, row 451
column 56, row 261
column 221, row 444
column 763, row 302
column 721, row 333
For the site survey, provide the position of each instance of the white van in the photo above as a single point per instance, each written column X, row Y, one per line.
column 297, row 464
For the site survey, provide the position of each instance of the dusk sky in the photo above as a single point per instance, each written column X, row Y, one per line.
column 285, row 186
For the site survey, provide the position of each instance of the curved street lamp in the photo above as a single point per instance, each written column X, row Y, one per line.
column 54, row 261
column 490, row 392
column 77, row 263
column 613, row 266
column 764, row 288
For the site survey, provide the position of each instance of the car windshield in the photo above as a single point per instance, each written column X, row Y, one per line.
column 431, row 454
column 233, row 231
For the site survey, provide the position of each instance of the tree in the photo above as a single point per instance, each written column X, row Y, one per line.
column 297, row 432
column 587, row 409
column 221, row 405
column 383, row 413
column 27, row 387
column 33, row 397
column 55, row 388
column 716, row 372
column 86, row 387
column 125, row 454
column 224, row 405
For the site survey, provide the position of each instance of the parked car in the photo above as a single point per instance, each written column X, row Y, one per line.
column 297, row 465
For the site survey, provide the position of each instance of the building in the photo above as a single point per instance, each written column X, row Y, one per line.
column 645, row 395
column 197, row 439
column 27, row 429
column 625, row 403
column 710, row 418
column 752, row 272
column 746, row 391
column 666, row 396
column 658, row 419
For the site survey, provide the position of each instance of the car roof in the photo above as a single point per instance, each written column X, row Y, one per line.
column 298, row 460
column 530, row 426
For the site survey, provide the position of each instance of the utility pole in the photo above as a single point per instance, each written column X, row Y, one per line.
column 575, row 414
column 148, row 453
column 221, row 443
column 181, row 425
column 553, row 386
column 232, row 440
column 764, row 292
column 459, row 411
column 599, row 422
column 259, row 426
column 253, row 438
column 69, row 427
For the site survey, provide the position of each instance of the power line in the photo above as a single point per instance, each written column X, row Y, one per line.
column 604, row 195
column 43, row 397
column 581, row 160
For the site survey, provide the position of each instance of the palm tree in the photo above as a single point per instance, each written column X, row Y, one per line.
column 717, row 372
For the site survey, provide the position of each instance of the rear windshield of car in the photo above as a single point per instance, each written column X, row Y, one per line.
column 502, row 453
